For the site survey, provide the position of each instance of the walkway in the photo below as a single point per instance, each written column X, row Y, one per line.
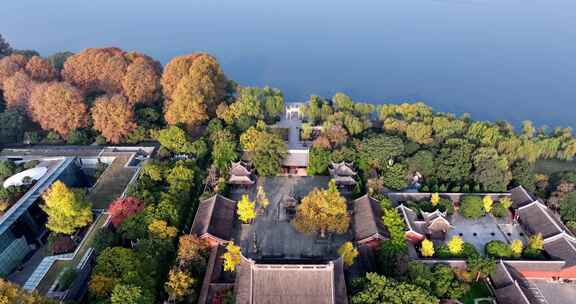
column 112, row 183
column 293, row 126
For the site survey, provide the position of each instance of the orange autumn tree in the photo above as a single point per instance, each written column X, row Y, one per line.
column 113, row 117
column 193, row 85
column 58, row 106
column 17, row 90
column 18, row 75
column 9, row 65
column 114, row 71
column 40, row 69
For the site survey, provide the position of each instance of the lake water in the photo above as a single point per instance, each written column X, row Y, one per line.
column 497, row 59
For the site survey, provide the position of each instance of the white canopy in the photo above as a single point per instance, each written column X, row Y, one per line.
column 18, row 179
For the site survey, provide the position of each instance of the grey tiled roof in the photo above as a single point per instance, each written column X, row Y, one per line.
column 368, row 219
column 215, row 216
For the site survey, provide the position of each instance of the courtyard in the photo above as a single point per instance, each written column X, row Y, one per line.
column 272, row 236
column 480, row 231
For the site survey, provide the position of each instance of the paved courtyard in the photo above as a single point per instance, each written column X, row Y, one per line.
column 480, row 231
column 272, row 236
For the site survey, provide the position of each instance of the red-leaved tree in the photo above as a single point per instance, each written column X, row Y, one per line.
column 122, row 208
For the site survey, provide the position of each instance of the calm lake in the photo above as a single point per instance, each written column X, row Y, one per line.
column 497, row 59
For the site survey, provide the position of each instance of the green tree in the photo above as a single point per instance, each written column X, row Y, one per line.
column 318, row 161
column 420, row 274
column 498, row 249
column 472, row 207
column 568, row 207
column 396, row 226
column 175, row 139
column 491, row 170
column 453, row 162
column 67, row 208
column 395, row 177
column 224, row 149
column 379, row 289
column 443, row 277
column 12, row 124
column 269, row 154
column 127, row 294
column 322, row 211
column 523, row 175
column 481, row 267
column 377, row 150
column 422, row 162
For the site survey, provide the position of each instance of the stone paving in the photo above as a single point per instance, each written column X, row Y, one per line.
column 272, row 236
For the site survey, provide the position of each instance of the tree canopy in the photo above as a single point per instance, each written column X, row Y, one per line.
column 322, row 210
column 380, row 289
column 67, row 208
column 113, row 117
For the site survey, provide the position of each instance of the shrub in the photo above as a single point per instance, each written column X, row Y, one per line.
column 468, row 251
column 79, row 137
column 443, row 252
column 498, row 249
column 446, row 205
column 100, row 140
column 472, row 207
column 498, row 210
column 31, row 164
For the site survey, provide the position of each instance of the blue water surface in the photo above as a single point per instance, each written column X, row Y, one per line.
column 497, row 59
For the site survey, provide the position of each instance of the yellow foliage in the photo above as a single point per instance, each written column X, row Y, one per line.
column 67, row 208
column 435, row 199
column 101, row 286
column 160, row 229
column 506, row 202
column 517, row 246
column 322, row 211
column 456, row 245
column 536, row 242
column 231, row 257
column 488, row 202
column 249, row 139
column 178, row 285
column 427, row 249
column 245, row 209
column 348, row 253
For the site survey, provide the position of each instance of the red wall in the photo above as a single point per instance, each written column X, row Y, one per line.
column 566, row 273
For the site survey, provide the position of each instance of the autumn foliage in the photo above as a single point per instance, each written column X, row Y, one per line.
column 114, row 71
column 193, row 86
column 124, row 207
column 58, row 106
column 113, row 117
column 18, row 75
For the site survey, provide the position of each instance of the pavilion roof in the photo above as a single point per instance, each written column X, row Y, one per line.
column 240, row 180
column 240, row 169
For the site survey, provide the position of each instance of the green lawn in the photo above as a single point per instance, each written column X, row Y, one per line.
column 549, row 166
column 477, row 290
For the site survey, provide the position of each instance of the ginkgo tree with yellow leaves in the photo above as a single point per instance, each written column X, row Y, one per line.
column 435, row 199
column 67, row 208
column 348, row 253
column 231, row 257
column 246, row 209
column 427, row 248
column 322, row 210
